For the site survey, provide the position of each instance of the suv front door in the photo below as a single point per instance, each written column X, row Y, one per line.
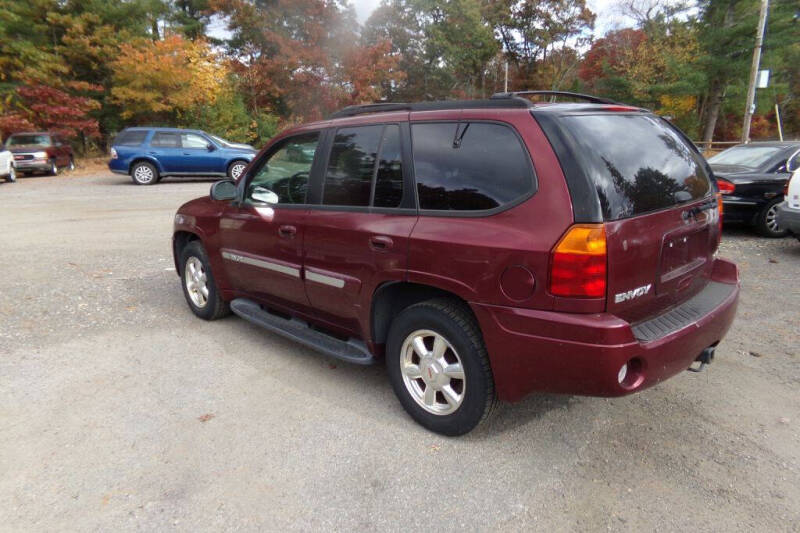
column 261, row 236
column 197, row 156
column 358, row 237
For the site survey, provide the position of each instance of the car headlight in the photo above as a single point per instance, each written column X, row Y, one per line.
column 40, row 155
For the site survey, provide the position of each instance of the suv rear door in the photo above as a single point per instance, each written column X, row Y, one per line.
column 357, row 235
column 655, row 194
column 165, row 146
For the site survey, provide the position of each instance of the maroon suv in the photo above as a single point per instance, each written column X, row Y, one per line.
column 40, row 151
column 485, row 249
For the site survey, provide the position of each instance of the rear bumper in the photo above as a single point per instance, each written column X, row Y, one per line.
column 789, row 218
column 582, row 354
column 740, row 209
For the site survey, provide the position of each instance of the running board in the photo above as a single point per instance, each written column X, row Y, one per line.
column 352, row 351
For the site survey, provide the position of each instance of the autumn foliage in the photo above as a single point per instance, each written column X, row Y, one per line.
column 245, row 68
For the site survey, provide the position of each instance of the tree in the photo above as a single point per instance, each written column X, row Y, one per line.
column 164, row 80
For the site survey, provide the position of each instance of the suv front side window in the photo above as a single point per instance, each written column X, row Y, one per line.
column 282, row 176
column 192, row 140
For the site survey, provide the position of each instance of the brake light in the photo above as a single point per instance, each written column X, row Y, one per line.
column 578, row 263
column 725, row 186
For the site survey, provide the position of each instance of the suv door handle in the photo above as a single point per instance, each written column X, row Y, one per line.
column 380, row 243
column 287, row 232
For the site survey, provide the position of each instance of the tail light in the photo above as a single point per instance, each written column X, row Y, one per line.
column 725, row 186
column 578, row 263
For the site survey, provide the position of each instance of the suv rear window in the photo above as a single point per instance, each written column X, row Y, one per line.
column 638, row 163
column 469, row 166
column 130, row 138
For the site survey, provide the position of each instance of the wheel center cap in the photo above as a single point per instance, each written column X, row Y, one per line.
column 431, row 372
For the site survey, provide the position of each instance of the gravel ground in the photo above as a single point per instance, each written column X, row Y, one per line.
column 121, row 411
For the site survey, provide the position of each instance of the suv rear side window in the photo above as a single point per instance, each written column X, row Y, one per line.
column 130, row 138
column 165, row 139
column 348, row 179
column 469, row 166
column 638, row 163
column 357, row 175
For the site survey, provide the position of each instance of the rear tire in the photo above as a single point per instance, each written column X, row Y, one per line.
column 199, row 286
column 71, row 166
column 449, row 389
column 766, row 221
column 144, row 173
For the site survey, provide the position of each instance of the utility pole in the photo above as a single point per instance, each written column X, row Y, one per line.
column 751, row 88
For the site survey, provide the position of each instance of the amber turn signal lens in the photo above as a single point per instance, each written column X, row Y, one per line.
column 578, row 263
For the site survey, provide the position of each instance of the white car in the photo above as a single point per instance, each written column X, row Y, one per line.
column 7, row 170
column 788, row 213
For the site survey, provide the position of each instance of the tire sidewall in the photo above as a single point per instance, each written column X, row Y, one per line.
column 477, row 387
column 148, row 165
column 12, row 174
column 195, row 249
column 53, row 168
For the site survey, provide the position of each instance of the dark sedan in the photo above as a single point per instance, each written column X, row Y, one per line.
column 751, row 178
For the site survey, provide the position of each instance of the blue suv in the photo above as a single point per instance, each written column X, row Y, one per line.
column 149, row 154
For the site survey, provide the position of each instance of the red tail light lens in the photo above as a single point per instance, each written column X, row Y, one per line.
column 578, row 263
column 725, row 186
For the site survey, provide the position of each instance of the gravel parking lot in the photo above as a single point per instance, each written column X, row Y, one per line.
column 119, row 410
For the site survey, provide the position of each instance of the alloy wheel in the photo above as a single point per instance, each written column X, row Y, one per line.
column 432, row 372
column 772, row 219
column 196, row 281
column 143, row 174
column 237, row 169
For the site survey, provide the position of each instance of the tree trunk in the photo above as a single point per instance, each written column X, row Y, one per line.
column 715, row 94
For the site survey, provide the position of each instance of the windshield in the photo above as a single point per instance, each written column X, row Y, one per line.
column 638, row 163
column 28, row 140
column 745, row 156
column 220, row 140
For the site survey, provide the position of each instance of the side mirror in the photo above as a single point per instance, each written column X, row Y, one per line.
column 210, row 147
column 223, row 190
column 262, row 194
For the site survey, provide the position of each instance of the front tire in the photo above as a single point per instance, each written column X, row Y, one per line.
column 53, row 168
column 144, row 174
column 767, row 221
column 12, row 174
column 235, row 169
column 199, row 286
column 439, row 368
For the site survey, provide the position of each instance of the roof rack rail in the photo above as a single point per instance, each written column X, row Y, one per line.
column 438, row 105
column 353, row 110
column 579, row 96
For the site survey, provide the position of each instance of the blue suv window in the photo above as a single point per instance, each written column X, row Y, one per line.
column 192, row 140
column 131, row 138
column 166, row 139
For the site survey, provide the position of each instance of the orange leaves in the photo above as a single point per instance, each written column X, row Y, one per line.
column 166, row 77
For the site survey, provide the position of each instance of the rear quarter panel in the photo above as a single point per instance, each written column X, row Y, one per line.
column 467, row 255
